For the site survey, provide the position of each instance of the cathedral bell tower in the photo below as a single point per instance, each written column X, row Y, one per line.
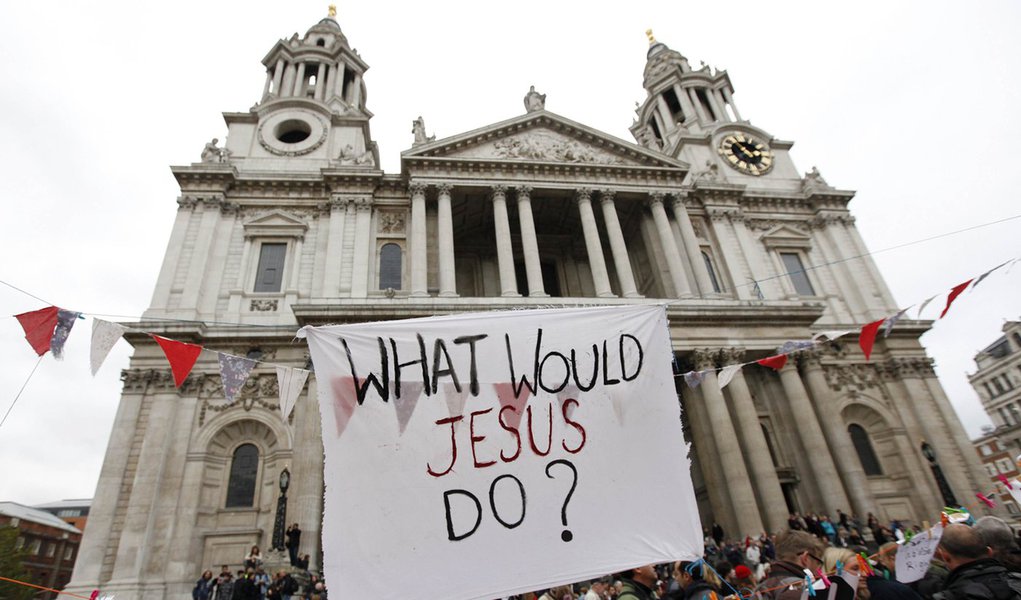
column 690, row 114
column 312, row 108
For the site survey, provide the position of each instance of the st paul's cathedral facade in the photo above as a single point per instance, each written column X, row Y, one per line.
column 292, row 222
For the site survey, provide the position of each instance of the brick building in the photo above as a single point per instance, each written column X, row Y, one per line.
column 50, row 543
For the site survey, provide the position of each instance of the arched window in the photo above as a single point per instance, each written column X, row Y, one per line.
column 712, row 272
column 867, row 456
column 243, row 471
column 390, row 267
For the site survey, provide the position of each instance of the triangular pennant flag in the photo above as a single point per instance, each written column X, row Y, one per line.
column 290, row 382
column 988, row 273
column 39, row 326
column 795, row 345
column 773, row 362
column 693, row 379
column 832, row 334
column 867, row 337
column 455, row 400
column 507, row 397
column 65, row 321
column 891, row 321
column 345, row 399
column 727, row 374
column 924, row 304
column 234, row 371
column 954, row 293
column 568, row 393
column 181, row 356
column 104, row 335
column 404, row 406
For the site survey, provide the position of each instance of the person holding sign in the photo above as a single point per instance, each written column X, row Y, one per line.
column 974, row 573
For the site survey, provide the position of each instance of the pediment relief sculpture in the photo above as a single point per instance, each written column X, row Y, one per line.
column 543, row 146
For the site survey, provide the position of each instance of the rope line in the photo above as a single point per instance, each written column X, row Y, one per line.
column 11, row 407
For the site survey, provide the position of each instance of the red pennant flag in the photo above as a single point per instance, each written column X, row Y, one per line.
column 773, row 362
column 867, row 337
column 39, row 326
column 182, row 357
column 954, row 293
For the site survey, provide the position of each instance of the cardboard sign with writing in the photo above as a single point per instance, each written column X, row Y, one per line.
column 483, row 455
column 913, row 557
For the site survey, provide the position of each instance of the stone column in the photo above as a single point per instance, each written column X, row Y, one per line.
column 701, row 430
column 691, row 247
column 710, row 95
column 699, row 109
column 730, row 100
column 752, row 250
column 879, row 284
column 278, row 76
column 621, row 260
column 817, row 452
column 844, row 280
column 844, row 454
column 592, row 244
column 685, row 100
column 504, row 245
column 201, row 251
column 419, row 253
column 288, row 89
column 356, row 91
column 305, row 497
column 739, row 486
column 529, row 243
column 320, row 81
column 724, row 230
column 334, row 247
column 363, row 236
column 666, row 238
column 331, row 83
column 973, row 468
column 756, row 450
column 445, row 233
column 185, row 212
column 664, row 113
column 299, row 81
column 338, row 81
column 269, row 82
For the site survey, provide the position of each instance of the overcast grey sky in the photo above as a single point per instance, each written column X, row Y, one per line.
column 914, row 105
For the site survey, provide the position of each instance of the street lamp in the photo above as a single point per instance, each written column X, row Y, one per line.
column 281, row 519
column 941, row 481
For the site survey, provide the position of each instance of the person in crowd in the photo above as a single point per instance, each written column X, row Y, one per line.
column 742, row 579
column 752, row 554
column 293, row 542
column 253, row 559
column 724, row 568
column 795, row 551
column 793, row 522
column 319, row 591
column 224, row 585
column 637, row 583
column 854, row 538
column 974, row 573
column 827, row 528
column 245, row 587
column 768, row 548
column 697, row 581
column 996, row 534
column 204, row 586
column 717, row 533
column 733, row 553
column 597, row 591
column 262, row 582
column 302, row 563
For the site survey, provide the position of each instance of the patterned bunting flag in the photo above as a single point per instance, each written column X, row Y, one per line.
column 104, row 335
column 65, row 321
column 234, row 371
column 180, row 355
column 773, row 362
column 867, row 337
column 891, row 321
column 795, row 345
column 954, row 293
column 987, row 274
column 39, row 326
column 924, row 304
column 693, row 379
column 727, row 374
column 290, row 382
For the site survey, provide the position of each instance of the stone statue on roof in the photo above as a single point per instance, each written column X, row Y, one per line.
column 534, row 100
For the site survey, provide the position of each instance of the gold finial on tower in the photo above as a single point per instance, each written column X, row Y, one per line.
column 652, row 40
column 332, row 10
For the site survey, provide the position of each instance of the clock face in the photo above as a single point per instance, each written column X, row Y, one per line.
column 746, row 153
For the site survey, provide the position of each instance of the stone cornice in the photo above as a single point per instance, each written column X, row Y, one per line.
column 550, row 174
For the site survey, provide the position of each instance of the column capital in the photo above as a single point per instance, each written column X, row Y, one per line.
column 338, row 203
column 497, row 190
column 583, row 194
column 362, row 204
column 607, row 195
column 733, row 355
column 656, row 198
column 444, row 188
column 524, row 191
column 417, row 188
column 704, row 358
column 810, row 358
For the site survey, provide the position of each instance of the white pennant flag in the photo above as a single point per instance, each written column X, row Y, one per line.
column 834, row 334
column 104, row 335
column 727, row 374
column 290, row 382
column 924, row 304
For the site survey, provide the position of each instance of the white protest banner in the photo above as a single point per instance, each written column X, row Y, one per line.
column 481, row 455
column 913, row 556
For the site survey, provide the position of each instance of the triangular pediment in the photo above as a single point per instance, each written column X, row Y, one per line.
column 275, row 223
column 545, row 137
column 786, row 236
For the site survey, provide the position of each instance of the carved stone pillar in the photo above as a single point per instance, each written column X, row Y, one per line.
column 699, row 109
column 504, row 247
column 338, row 81
column 320, row 81
column 691, row 247
column 730, row 100
column 621, row 260
column 335, row 247
column 666, row 238
column 288, row 86
column 820, row 461
column 363, row 233
column 299, row 81
column 720, row 219
column 419, row 252
column 756, row 450
column 973, row 468
column 844, row 454
column 700, row 429
column 445, row 233
column 529, row 243
column 592, row 244
column 331, row 76
column 739, row 486
column 278, row 77
column 686, row 105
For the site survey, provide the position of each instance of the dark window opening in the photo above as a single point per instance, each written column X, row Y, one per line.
column 676, row 112
column 769, row 445
column 797, row 274
column 349, row 79
column 321, row 42
column 270, row 274
column 390, row 267
column 243, row 471
column 867, row 456
column 293, row 131
column 655, row 130
column 550, row 280
column 703, row 99
column 712, row 272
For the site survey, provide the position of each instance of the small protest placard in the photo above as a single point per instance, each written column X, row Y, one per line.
column 913, row 557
